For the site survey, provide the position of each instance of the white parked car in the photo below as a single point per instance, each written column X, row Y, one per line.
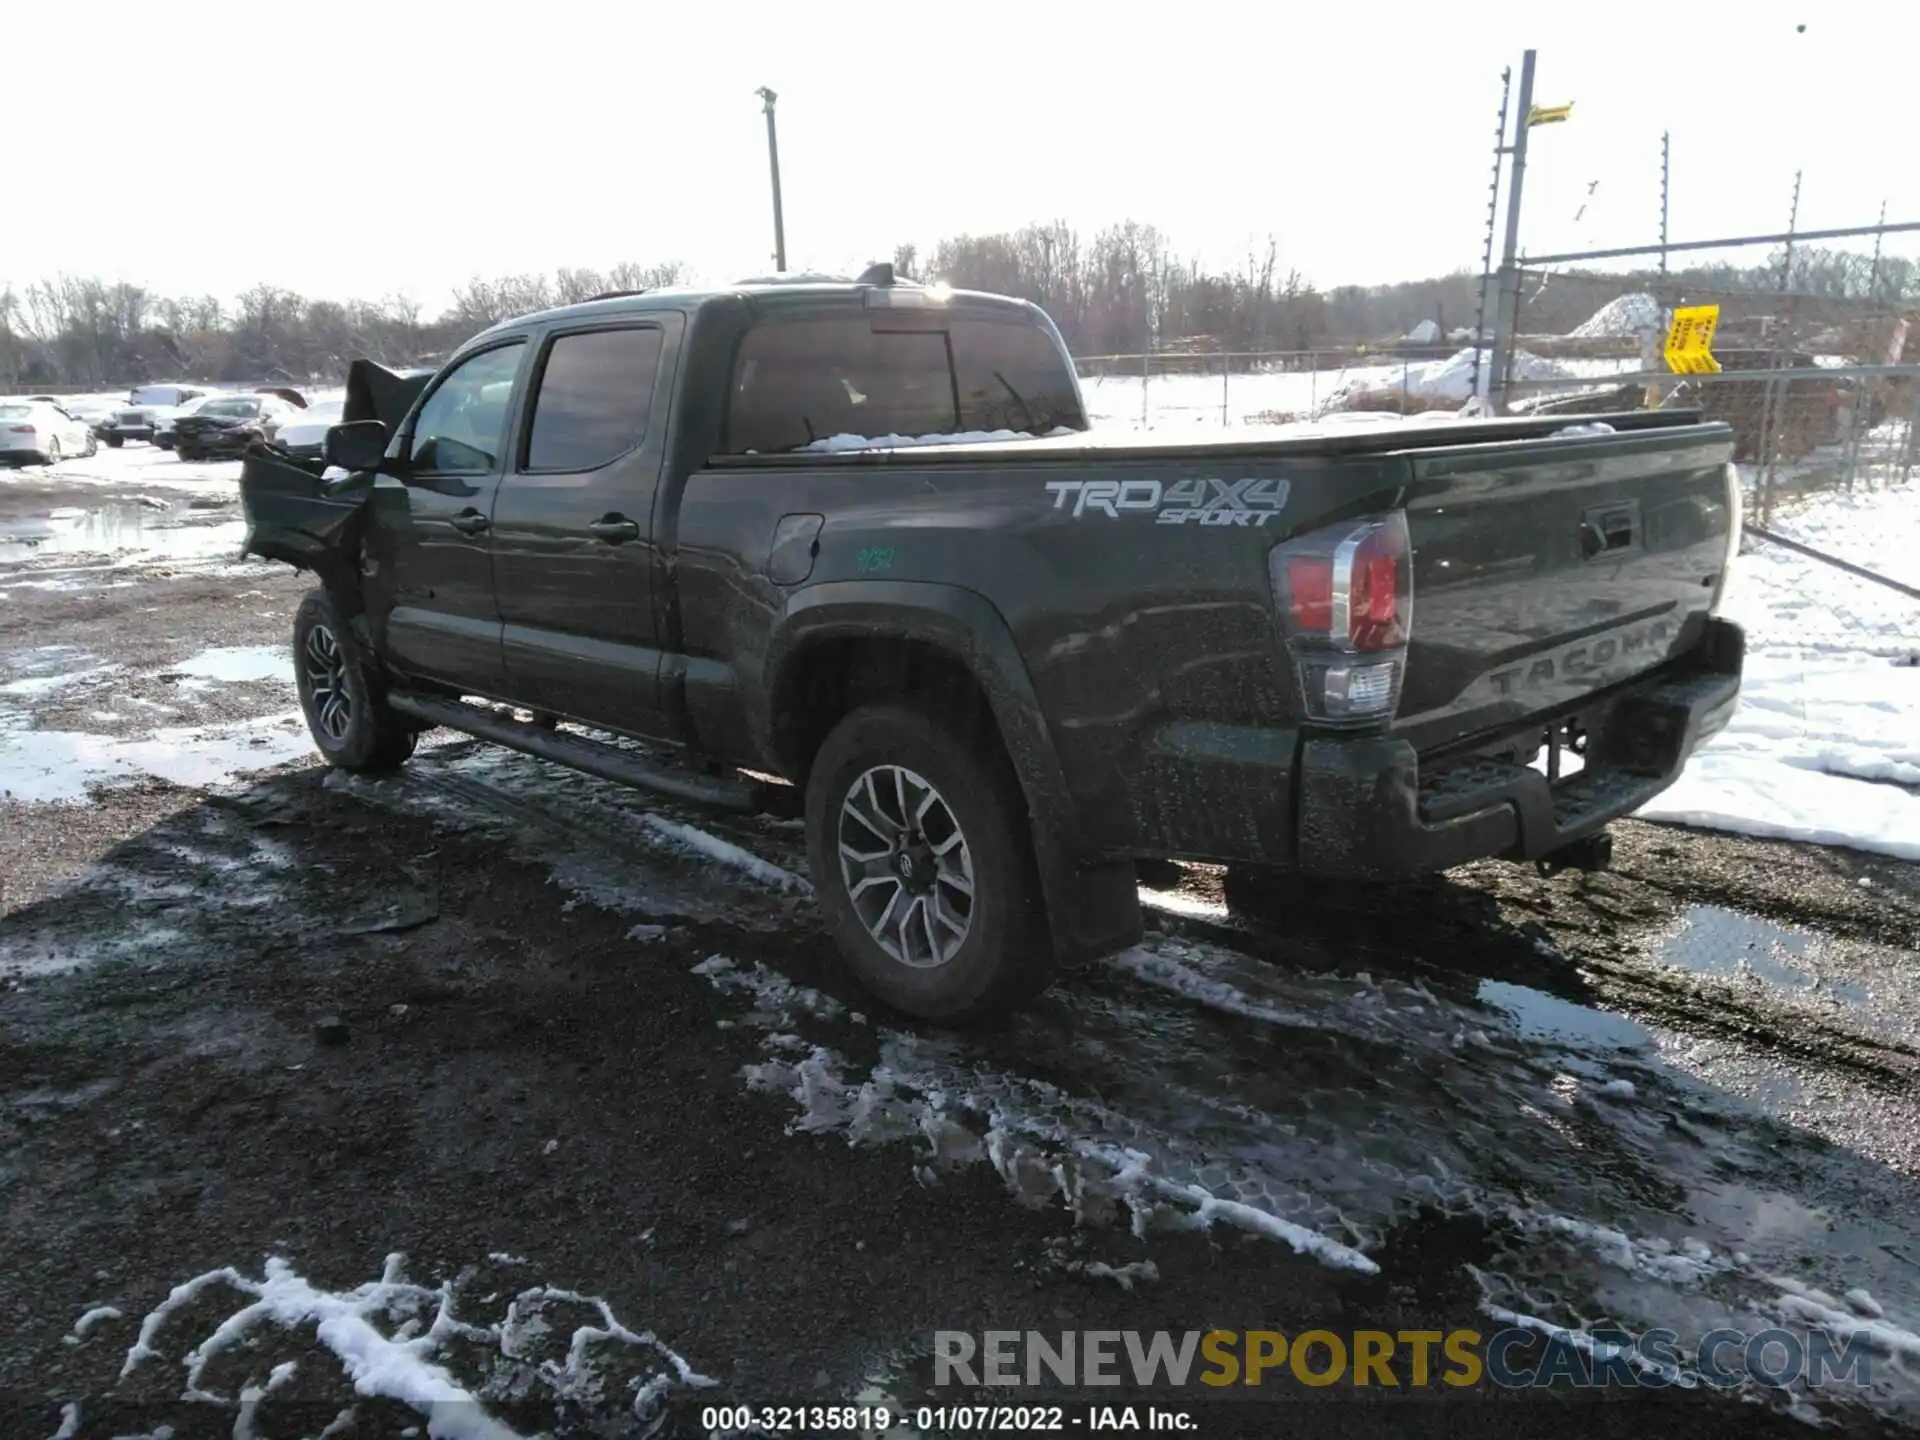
column 146, row 407
column 303, row 438
column 39, row 432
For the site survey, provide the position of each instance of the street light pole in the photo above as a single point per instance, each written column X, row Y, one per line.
column 773, row 161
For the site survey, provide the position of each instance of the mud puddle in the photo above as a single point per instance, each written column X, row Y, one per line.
column 1726, row 944
column 142, row 526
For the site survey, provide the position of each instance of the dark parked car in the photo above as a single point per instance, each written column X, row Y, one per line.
column 228, row 424
column 996, row 674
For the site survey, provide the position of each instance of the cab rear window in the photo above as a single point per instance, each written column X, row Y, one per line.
column 804, row 380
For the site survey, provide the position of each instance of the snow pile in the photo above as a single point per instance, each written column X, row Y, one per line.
column 1425, row 333
column 1451, row 380
column 400, row 1341
column 1825, row 746
column 1825, row 750
column 1627, row 316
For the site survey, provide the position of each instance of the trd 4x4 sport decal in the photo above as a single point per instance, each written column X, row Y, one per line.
column 1184, row 502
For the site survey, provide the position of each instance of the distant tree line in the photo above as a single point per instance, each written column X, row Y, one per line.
column 1122, row 291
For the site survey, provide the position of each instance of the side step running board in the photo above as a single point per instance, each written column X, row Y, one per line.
column 578, row 753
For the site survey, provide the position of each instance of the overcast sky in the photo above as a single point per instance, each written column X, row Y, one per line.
column 355, row 149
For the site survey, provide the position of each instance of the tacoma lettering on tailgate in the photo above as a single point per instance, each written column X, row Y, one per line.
column 1581, row 659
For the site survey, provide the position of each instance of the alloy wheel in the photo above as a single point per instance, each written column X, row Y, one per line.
column 906, row 865
column 325, row 664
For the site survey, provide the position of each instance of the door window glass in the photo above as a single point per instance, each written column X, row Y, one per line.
column 459, row 429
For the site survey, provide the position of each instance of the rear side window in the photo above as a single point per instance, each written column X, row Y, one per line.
column 798, row 381
column 595, row 397
column 1013, row 377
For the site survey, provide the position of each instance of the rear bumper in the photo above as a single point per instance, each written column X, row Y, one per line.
column 1365, row 805
column 1367, row 808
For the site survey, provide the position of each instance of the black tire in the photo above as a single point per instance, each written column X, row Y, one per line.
column 1003, row 956
column 343, row 695
column 93, row 446
column 114, row 442
column 53, row 451
column 181, row 452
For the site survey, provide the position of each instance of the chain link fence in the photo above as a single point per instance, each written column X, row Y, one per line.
column 1172, row 389
column 1819, row 382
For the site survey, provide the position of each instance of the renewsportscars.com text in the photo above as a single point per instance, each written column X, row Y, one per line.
column 1512, row 1358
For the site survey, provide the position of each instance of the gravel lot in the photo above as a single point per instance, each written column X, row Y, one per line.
column 580, row 1056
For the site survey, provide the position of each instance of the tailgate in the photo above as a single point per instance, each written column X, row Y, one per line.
column 1547, row 570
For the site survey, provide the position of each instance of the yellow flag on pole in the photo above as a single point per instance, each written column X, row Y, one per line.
column 1549, row 114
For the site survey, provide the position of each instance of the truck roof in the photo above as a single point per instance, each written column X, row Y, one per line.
column 797, row 288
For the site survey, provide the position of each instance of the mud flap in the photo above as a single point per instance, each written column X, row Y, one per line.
column 1093, row 909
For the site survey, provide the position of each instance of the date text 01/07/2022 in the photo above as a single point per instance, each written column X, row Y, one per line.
column 944, row 1419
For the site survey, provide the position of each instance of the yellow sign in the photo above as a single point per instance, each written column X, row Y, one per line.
column 1690, row 340
column 1549, row 114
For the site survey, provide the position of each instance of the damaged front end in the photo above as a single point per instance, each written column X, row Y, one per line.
column 297, row 514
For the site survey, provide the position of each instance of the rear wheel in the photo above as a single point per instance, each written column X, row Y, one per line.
column 923, row 867
column 53, row 450
column 342, row 694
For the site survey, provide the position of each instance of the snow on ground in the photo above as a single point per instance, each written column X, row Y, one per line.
column 1825, row 746
column 1129, row 401
column 405, row 1342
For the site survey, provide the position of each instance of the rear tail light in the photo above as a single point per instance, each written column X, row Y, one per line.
column 1345, row 596
column 20, row 429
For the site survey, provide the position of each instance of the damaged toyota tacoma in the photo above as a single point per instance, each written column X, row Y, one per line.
column 850, row 551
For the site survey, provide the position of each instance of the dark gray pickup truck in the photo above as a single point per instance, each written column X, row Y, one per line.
column 1000, row 676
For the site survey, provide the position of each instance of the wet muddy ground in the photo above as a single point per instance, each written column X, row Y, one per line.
column 583, row 1061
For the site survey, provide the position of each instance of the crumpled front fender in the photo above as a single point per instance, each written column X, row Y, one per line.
column 295, row 516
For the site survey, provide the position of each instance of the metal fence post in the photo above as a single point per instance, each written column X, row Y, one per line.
column 1506, row 314
column 1226, row 364
column 1146, row 380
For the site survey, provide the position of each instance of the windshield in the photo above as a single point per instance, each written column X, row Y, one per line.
column 230, row 407
column 16, row 412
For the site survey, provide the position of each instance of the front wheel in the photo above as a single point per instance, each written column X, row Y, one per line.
column 341, row 694
column 917, row 839
column 114, row 442
column 93, row 447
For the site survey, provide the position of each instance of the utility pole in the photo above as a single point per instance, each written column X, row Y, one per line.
column 1507, row 309
column 773, row 162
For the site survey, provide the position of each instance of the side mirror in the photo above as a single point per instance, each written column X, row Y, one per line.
column 359, row 445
